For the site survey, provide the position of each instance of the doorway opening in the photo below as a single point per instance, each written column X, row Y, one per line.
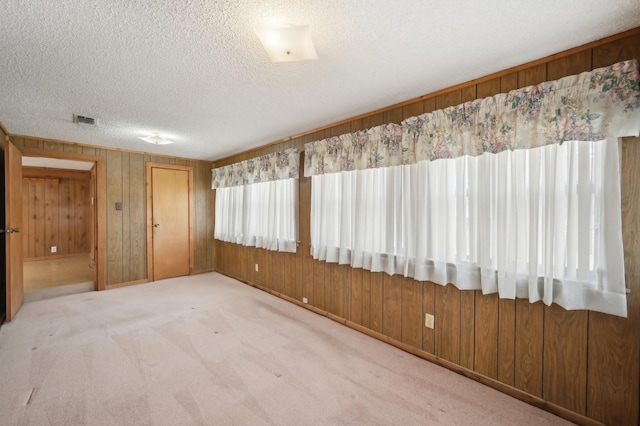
column 61, row 227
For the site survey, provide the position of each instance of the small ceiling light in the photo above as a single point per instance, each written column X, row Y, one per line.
column 288, row 44
column 156, row 140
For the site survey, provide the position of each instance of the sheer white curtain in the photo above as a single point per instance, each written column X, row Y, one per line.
column 257, row 201
column 542, row 224
column 262, row 215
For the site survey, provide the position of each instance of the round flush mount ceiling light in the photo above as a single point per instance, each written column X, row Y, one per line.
column 156, row 140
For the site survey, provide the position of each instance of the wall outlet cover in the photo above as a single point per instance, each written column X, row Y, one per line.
column 429, row 321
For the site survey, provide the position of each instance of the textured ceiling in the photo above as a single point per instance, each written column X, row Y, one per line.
column 194, row 71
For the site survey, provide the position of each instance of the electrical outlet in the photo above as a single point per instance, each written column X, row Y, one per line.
column 429, row 320
column 305, row 300
column 256, row 267
column 54, row 249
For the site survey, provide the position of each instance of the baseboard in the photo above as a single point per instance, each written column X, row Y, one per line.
column 127, row 284
column 488, row 381
column 202, row 272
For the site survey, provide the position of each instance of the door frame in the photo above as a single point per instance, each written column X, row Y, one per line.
column 100, row 218
column 150, row 167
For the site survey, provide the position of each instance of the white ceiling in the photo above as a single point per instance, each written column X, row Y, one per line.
column 194, row 71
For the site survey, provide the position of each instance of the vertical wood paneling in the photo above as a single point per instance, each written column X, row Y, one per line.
column 276, row 265
column 346, row 291
column 447, row 327
column 31, row 218
column 126, row 216
column 413, row 109
column 137, row 218
column 532, row 76
column 52, row 212
column 377, row 298
column 289, row 270
column 448, row 99
column 569, row 65
column 429, row 307
column 318, row 284
column 467, row 328
column 468, row 93
column 528, row 348
column 393, row 115
column 565, row 358
column 621, row 50
column 114, row 217
column 308, row 276
column 488, row 88
column 506, row 341
column 330, row 287
column 39, row 213
column 366, row 299
column 392, row 306
column 298, row 284
column 65, row 215
column 429, row 105
column 53, row 146
column 356, row 296
column 486, row 332
column 377, row 120
column 411, row 312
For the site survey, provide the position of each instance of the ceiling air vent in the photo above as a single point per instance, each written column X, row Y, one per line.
column 81, row 119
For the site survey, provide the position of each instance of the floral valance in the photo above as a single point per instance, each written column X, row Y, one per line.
column 590, row 106
column 274, row 166
column 367, row 149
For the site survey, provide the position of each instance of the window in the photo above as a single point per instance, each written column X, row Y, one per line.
column 529, row 223
column 262, row 215
column 257, row 201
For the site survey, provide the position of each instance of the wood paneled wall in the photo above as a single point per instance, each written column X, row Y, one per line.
column 126, row 245
column 570, row 362
column 55, row 212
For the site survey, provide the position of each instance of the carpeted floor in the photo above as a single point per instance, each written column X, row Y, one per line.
column 208, row 350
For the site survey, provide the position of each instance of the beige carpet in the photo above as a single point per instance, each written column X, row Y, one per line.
column 208, row 350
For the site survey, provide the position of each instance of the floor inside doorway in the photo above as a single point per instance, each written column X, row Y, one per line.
column 51, row 277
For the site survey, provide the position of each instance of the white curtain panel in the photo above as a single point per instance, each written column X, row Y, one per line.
column 542, row 224
column 262, row 215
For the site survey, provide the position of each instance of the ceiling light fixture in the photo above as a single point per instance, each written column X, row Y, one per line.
column 288, row 44
column 156, row 140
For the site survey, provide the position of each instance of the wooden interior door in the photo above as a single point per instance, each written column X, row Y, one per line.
column 13, row 223
column 171, row 222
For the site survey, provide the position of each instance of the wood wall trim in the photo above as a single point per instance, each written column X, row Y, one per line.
column 189, row 169
column 493, row 383
column 49, row 173
column 79, row 144
column 42, row 179
column 4, row 129
column 127, row 284
column 441, row 92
